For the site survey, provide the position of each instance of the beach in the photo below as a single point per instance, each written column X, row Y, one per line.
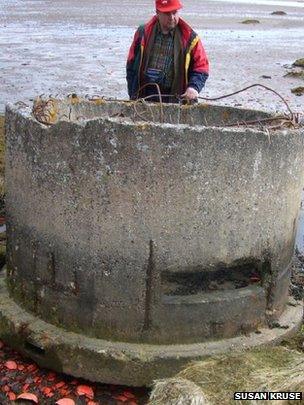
column 57, row 48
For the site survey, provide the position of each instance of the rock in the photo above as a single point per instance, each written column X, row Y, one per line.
column 298, row 91
column 278, row 13
column 299, row 62
column 298, row 73
column 265, row 77
column 250, row 22
column 273, row 325
column 177, row 391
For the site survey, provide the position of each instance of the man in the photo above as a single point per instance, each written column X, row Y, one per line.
column 168, row 52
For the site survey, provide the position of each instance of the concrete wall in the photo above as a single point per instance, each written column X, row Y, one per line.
column 99, row 210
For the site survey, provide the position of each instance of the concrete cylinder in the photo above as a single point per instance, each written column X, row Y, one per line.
column 144, row 223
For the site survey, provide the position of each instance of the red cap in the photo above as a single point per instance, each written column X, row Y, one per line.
column 165, row 6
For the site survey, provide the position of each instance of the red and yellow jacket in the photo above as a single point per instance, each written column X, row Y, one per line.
column 195, row 64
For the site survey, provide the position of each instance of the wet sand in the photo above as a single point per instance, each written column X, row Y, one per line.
column 62, row 47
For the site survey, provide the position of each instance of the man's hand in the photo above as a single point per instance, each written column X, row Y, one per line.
column 190, row 94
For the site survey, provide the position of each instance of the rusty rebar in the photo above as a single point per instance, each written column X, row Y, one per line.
column 247, row 88
column 158, row 94
column 42, row 115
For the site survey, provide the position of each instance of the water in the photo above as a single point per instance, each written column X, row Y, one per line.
column 281, row 3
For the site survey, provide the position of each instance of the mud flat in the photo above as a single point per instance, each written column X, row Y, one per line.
column 63, row 47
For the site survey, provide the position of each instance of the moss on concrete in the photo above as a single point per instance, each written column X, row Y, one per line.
column 23, row 293
column 2, row 254
column 2, row 161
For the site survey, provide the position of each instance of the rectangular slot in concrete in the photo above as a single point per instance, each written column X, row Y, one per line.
column 223, row 278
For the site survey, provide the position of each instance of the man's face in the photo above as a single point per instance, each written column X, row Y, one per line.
column 168, row 21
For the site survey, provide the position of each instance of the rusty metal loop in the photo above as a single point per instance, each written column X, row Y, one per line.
column 159, row 95
column 247, row 88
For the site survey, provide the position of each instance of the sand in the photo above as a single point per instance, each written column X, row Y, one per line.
column 62, row 47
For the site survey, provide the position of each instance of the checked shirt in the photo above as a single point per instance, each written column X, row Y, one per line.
column 162, row 56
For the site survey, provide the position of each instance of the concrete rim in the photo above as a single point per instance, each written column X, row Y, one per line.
column 120, row 362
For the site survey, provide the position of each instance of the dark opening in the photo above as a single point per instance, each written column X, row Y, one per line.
column 223, row 278
column 34, row 349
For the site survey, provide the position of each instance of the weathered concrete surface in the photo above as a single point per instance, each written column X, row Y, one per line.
column 118, row 362
column 100, row 211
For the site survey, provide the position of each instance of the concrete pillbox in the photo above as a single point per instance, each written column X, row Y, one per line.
column 149, row 224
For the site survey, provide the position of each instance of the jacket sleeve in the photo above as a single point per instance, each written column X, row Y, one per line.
column 132, row 63
column 199, row 67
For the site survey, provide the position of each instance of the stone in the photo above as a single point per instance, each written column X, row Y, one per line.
column 278, row 13
column 298, row 91
column 250, row 21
